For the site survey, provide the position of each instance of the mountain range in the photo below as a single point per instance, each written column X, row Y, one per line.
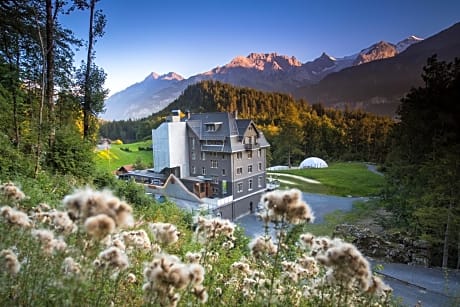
column 374, row 78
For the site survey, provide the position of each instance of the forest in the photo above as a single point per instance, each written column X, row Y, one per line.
column 50, row 107
column 294, row 128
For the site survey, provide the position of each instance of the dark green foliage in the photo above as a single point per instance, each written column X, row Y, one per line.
column 294, row 128
column 423, row 169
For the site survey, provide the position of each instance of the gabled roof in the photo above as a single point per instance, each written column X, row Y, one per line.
column 224, row 128
column 242, row 125
column 226, row 122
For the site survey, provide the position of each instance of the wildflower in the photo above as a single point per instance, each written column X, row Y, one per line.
column 99, row 226
column 164, row 232
column 112, row 257
column 62, row 222
column 48, row 242
column 155, row 248
column 11, row 192
column 86, row 203
column 119, row 243
column 242, row 267
column 378, row 287
column 11, row 263
column 347, row 266
column 15, row 217
column 45, row 236
column 137, row 239
column 310, row 266
column 193, row 257
column 261, row 245
column 201, row 293
column 71, row 267
column 228, row 245
column 166, row 274
column 285, row 206
column 131, row 278
column 212, row 228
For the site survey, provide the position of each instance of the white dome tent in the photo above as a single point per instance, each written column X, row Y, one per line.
column 313, row 162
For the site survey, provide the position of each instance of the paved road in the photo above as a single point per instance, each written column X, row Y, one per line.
column 411, row 283
column 431, row 286
column 320, row 204
column 373, row 168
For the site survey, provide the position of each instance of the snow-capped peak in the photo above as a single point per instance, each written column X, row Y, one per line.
column 324, row 55
column 405, row 43
column 171, row 76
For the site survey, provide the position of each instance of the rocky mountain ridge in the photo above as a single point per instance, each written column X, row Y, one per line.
column 263, row 71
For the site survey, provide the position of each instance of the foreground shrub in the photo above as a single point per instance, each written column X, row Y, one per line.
column 93, row 251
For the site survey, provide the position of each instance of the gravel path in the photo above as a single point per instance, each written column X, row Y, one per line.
column 295, row 176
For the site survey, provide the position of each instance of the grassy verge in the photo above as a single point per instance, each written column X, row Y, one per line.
column 115, row 157
column 340, row 179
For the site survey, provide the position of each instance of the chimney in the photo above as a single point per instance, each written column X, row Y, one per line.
column 235, row 114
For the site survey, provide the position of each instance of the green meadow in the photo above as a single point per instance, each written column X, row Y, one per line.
column 118, row 155
column 340, row 178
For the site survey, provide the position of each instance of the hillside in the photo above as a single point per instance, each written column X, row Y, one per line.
column 378, row 86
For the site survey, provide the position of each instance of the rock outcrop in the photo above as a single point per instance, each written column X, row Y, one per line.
column 389, row 247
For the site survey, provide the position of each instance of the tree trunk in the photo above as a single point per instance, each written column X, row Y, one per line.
column 87, row 98
column 15, row 107
column 445, row 250
column 458, row 252
column 49, row 86
column 38, row 151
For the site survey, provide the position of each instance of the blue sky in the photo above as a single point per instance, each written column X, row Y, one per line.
column 191, row 37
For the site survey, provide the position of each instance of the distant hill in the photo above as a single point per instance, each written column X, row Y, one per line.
column 263, row 71
column 378, row 86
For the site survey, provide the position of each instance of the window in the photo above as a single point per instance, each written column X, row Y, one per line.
column 193, row 155
column 203, row 171
column 193, row 169
column 214, row 163
column 193, row 143
column 215, row 179
column 259, row 181
column 203, row 155
column 210, row 127
column 224, row 187
column 240, row 187
column 223, row 172
column 224, row 156
column 239, row 155
column 249, row 154
column 260, row 166
column 259, row 153
column 213, row 154
column 239, row 171
column 250, row 168
column 250, row 184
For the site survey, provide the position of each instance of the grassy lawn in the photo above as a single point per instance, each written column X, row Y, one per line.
column 115, row 157
column 342, row 179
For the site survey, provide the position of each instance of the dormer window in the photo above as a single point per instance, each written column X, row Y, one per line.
column 212, row 126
